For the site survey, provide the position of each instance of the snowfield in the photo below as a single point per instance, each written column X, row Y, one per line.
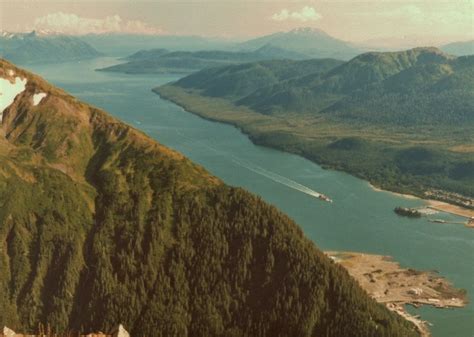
column 8, row 92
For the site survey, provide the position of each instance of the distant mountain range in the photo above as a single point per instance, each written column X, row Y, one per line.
column 126, row 44
column 312, row 42
column 100, row 224
column 296, row 44
column 40, row 48
column 362, row 116
column 459, row 48
column 164, row 61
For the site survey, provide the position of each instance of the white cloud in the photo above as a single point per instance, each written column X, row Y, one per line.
column 73, row 24
column 304, row 14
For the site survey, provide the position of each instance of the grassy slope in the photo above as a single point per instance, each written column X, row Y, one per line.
column 373, row 142
column 100, row 224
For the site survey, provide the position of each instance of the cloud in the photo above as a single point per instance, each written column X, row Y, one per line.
column 73, row 24
column 304, row 14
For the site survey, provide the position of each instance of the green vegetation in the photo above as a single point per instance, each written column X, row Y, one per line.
column 401, row 120
column 100, row 224
column 162, row 61
column 408, row 212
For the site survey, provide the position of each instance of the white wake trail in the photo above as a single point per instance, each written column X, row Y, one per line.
column 278, row 178
column 261, row 171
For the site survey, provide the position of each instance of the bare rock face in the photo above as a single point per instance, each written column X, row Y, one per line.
column 121, row 332
column 7, row 332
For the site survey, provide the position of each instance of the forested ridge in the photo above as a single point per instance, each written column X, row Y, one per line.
column 422, row 85
column 402, row 120
column 99, row 224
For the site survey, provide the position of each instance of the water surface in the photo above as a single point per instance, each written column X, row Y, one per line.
column 360, row 219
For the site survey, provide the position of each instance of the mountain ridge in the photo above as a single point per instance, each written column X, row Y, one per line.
column 99, row 224
column 164, row 61
column 32, row 48
column 375, row 104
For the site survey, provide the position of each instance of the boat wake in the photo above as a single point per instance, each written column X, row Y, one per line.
column 280, row 179
column 263, row 172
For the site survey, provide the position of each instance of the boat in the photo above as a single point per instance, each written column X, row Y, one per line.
column 324, row 198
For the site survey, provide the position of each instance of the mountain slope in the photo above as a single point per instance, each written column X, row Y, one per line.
column 363, row 116
column 33, row 48
column 459, row 48
column 372, row 87
column 239, row 81
column 308, row 41
column 99, row 224
column 162, row 61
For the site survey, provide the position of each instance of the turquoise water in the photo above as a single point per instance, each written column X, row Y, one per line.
column 360, row 219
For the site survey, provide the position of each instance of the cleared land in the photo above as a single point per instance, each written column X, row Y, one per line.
column 387, row 282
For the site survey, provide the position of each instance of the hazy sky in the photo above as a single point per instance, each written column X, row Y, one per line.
column 426, row 21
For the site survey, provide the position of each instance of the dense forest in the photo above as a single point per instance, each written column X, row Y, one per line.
column 99, row 224
column 402, row 120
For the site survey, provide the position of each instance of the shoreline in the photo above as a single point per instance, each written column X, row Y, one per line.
column 440, row 205
column 395, row 287
column 437, row 205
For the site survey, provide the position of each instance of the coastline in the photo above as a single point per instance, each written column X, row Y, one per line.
column 437, row 205
column 441, row 206
column 403, row 195
column 395, row 287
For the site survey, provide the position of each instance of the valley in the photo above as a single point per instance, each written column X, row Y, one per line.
column 321, row 117
column 357, row 209
column 236, row 168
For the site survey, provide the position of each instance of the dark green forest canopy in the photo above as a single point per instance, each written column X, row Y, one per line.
column 99, row 224
column 364, row 116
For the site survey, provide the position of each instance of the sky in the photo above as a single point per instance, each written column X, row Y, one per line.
column 372, row 22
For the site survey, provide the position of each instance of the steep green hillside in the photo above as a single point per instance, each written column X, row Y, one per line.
column 32, row 48
column 99, row 224
column 238, row 81
column 385, row 103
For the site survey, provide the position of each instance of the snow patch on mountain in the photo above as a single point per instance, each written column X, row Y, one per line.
column 38, row 97
column 8, row 92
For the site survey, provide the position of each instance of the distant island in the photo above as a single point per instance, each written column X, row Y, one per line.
column 408, row 212
column 362, row 116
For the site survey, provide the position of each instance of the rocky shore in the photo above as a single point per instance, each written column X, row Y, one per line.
column 388, row 283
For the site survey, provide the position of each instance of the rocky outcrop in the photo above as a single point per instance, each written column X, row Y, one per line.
column 7, row 332
column 121, row 332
